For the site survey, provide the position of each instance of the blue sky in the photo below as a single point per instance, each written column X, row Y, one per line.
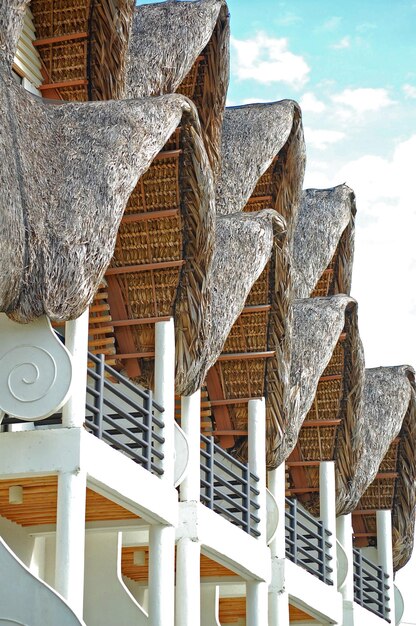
column 352, row 67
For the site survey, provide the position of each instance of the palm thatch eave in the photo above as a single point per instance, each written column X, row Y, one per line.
column 324, row 217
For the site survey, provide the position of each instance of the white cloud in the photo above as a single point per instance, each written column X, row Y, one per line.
column 310, row 103
column 363, row 99
column 321, row 138
column 409, row 90
column 267, row 59
column 343, row 43
column 385, row 258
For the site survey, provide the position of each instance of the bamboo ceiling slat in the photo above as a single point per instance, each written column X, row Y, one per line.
column 40, row 499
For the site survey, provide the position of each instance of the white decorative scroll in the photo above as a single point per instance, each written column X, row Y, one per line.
column 181, row 455
column 27, row 601
column 272, row 516
column 35, row 369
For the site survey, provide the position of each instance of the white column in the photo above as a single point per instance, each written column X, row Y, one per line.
column 257, row 455
column 344, row 536
column 328, row 511
column 385, row 554
column 278, row 598
column 188, row 588
column 257, row 591
column 188, row 552
column 161, row 575
column 256, row 603
column 76, row 341
column 164, row 392
column 162, row 538
column 70, row 538
column 191, row 425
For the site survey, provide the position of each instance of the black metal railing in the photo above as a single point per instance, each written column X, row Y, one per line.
column 371, row 589
column 228, row 487
column 307, row 541
column 131, row 425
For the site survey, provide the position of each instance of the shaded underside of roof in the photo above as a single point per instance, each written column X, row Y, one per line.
column 183, row 47
column 83, row 48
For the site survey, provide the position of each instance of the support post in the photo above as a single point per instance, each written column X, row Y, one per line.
column 164, row 392
column 278, row 596
column 191, row 425
column 70, row 538
column 256, row 602
column 344, row 536
column 188, row 588
column 257, row 456
column 385, row 556
column 76, row 341
column 161, row 575
column 328, row 512
column 188, row 552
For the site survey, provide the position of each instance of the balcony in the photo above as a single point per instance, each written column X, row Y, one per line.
column 228, row 487
column 308, row 542
column 120, row 413
column 371, row 589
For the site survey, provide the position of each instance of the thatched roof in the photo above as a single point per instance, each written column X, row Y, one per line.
column 252, row 137
column 264, row 327
column 11, row 18
column 243, row 246
column 317, row 326
column 63, row 197
column 386, row 397
column 183, row 47
column 382, row 471
column 161, row 261
column 404, row 507
column 326, row 218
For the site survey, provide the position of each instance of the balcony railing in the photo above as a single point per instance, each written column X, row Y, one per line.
column 130, row 424
column 121, row 414
column 228, row 487
column 307, row 542
column 371, row 589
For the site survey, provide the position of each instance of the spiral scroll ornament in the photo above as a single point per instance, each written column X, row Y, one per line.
column 35, row 370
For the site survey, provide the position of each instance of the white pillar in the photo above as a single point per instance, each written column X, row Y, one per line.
column 191, row 425
column 385, row 554
column 76, row 341
column 164, row 393
column 188, row 552
column 70, row 538
column 257, row 455
column 161, row 575
column 257, row 591
column 256, row 603
column 188, row 588
column 328, row 510
column 278, row 598
column 344, row 536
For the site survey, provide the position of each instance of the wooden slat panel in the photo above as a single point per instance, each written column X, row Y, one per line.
column 40, row 499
